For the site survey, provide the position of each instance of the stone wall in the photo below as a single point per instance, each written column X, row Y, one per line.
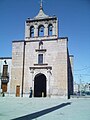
column 17, row 66
column 55, row 56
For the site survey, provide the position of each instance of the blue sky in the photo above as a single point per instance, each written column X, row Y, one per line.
column 74, row 23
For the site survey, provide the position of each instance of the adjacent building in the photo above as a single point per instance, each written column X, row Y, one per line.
column 5, row 74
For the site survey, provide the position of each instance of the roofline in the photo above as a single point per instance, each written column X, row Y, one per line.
column 18, row 41
column 71, row 55
column 63, row 38
column 5, row 57
column 49, row 18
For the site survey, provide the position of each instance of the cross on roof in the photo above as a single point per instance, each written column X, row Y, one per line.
column 41, row 4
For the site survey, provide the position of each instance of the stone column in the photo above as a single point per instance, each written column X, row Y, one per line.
column 46, row 29
column 54, row 28
column 27, row 30
column 35, row 30
column 57, row 28
column 32, row 72
column 48, row 83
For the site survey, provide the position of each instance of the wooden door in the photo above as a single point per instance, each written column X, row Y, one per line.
column 17, row 91
column 4, row 87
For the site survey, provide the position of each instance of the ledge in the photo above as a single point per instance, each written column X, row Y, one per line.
column 40, row 50
column 44, row 19
column 40, row 64
column 5, row 57
column 41, row 67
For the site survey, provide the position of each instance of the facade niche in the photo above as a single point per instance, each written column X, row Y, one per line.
column 40, row 44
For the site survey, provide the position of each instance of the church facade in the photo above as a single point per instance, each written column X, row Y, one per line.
column 41, row 61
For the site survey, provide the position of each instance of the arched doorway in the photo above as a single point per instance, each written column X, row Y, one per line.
column 40, row 85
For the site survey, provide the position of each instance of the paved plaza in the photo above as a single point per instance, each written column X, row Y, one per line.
column 15, row 108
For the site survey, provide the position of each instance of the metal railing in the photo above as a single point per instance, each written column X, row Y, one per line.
column 4, row 78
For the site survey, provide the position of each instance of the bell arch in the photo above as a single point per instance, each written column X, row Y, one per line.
column 50, row 27
column 41, row 31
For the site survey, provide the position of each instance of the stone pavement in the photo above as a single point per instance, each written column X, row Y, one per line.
column 14, row 108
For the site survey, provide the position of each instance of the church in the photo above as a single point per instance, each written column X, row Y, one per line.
column 41, row 61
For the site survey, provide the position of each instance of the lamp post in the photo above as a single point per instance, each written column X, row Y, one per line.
column 80, row 86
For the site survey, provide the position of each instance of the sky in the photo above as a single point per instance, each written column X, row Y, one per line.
column 74, row 23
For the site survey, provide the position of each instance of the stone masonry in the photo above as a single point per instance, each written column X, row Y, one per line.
column 56, row 61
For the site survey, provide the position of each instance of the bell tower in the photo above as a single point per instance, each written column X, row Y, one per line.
column 42, row 26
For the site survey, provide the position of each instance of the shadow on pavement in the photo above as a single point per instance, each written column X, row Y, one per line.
column 42, row 112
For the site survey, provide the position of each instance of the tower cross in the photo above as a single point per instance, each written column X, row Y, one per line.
column 41, row 4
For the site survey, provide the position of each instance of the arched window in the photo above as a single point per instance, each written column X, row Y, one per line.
column 50, row 30
column 41, row 31
column 31, row 31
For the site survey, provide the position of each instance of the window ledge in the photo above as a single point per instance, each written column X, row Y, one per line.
column 40, row 50
column 40, row 64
